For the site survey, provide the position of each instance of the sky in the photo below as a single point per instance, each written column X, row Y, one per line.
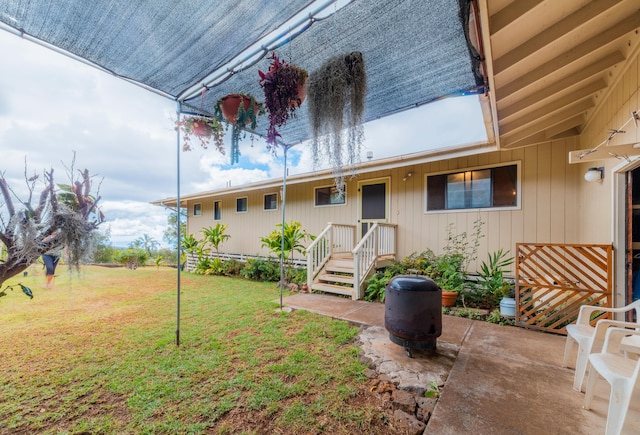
column 52, row 106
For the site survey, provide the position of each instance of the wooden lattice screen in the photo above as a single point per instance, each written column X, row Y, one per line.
column 554, row 280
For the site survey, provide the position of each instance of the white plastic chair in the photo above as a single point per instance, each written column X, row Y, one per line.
column 620, row 372
column 590, row 338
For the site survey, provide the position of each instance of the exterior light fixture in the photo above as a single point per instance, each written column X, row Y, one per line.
column 594, row 174
column 409, row 174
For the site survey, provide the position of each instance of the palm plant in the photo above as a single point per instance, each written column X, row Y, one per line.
column 294, row 236
column 215, row 236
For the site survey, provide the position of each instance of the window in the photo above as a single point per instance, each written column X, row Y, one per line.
column 241, row 205
column 328, row 196
column 197, row 209
column 271, row 201
column 217, row 210
column 479, row 188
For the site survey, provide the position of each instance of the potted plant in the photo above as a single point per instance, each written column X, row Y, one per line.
column 449, row 276
column 491, row 275
column 336, row 93
column 205, row 129
column 241, row 111
column 508, row 301
column 284, row 92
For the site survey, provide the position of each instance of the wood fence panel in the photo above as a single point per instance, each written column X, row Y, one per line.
column 554, row 280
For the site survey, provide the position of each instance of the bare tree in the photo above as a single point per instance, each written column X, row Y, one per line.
column 64, row 216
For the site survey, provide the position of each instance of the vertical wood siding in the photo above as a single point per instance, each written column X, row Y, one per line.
column 550, row 212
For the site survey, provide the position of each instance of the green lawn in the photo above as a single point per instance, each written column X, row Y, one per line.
column 97, row 354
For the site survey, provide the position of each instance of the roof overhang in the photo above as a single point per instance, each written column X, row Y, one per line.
column 360, row 169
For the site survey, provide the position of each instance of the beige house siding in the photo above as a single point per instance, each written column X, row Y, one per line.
column 596, row 199
column 550, row 206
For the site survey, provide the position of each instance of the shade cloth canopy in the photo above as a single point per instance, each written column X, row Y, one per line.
column 415, row 51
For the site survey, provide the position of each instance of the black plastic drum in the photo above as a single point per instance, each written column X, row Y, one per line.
column 413, row 312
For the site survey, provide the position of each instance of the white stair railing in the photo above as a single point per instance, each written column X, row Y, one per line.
column 334, row 239
column 379, row 241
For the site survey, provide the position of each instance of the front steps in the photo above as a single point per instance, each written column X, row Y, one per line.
column 336, row 276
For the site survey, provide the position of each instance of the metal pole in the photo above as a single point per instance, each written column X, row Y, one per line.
column 178, row 221
column 284, row 201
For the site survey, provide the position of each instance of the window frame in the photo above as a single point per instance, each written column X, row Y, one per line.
column 518, row 206
column 197, row 211
column 330, row 186
column 219, row 210
column 246, row 198
column 264, row 197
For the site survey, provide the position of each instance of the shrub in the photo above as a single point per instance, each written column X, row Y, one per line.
column 491, row 275
column 377, row 285
column 132, row 258
column 298, row 276
column 261, row 270
column 231, row 267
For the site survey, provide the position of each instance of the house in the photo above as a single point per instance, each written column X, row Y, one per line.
column 563, row 99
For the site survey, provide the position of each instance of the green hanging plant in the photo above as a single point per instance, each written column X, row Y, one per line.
column 336, row 93
column 206, row 130
column 241, row 111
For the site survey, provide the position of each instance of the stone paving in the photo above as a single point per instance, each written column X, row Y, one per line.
column 496, row 379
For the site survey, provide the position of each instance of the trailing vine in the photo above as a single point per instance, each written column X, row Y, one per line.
column 336, row 93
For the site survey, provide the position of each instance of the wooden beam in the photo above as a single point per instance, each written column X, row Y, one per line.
column 568, row 57
column 570, row 102
column 509, row 14
column 560, row 128
column 540, row 138
column 542, row 132
column 604, row 152
column 534, row 99
column 581, row 17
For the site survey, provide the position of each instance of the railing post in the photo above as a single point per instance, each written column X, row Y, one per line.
column 356, row 276
column 376, row 243
column 330, row 238
column 310, row 267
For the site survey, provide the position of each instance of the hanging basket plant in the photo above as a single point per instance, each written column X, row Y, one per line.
column 241, row 112
column 206, row 130
column 284, row 91
column 336, row 94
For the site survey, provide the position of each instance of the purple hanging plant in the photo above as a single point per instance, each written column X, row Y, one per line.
column 284, row 92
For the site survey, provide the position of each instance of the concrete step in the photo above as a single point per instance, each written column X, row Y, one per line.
column 330, row 288
column 330, row 277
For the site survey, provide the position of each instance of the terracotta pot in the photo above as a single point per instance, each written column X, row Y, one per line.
column 230, row 105
column 449, row 298
column 201, row 129
column 302, row 95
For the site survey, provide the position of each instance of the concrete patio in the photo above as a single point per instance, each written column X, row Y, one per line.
column 498, row 379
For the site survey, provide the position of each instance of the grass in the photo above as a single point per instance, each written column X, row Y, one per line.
column 97, row 354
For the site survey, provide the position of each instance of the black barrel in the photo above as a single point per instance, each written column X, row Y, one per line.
column 413, row 312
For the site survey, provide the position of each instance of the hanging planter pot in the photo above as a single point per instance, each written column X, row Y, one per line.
column 207, row 130
column 241, row 112
column 230, row 106
column 284, row 91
